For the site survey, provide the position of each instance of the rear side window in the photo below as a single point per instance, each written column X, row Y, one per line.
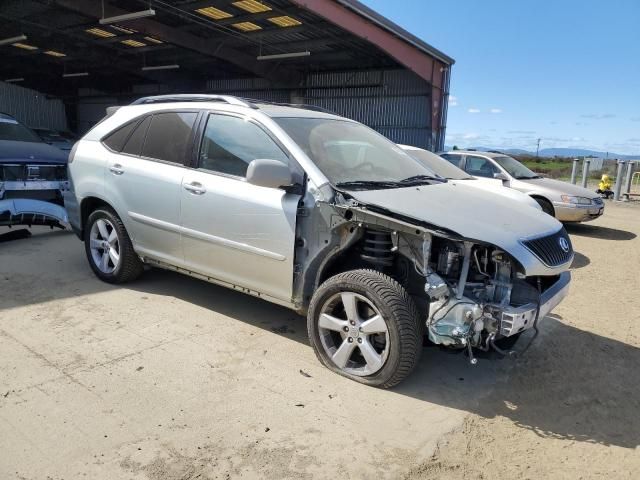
column 169, row 136
column 453, row 159
column 116, row 140
column 230, row 144
column 133, row 145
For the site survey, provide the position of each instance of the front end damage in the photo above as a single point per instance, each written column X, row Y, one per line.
column 472, row 294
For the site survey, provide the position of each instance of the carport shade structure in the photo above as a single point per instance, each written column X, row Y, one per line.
column 335, row 54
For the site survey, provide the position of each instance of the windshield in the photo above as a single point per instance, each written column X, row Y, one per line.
column 10, row 129
column 349, row 153
column 439, row 165
column 515, row 168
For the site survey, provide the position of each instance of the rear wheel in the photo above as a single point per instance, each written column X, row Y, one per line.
column 109, row 249
column 546, row 206
column 364, row 325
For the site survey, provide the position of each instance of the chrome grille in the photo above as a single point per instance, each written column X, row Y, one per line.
column 549, row 250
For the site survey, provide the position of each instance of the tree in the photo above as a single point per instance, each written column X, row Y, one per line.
column 455, row 147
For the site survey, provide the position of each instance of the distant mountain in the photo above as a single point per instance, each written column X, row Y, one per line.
column 559, row 152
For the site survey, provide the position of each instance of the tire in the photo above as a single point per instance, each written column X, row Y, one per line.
column 128, row 266
column 546, row 206
column 371, row 294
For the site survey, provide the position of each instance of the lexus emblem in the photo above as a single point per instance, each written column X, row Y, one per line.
column 564, row 244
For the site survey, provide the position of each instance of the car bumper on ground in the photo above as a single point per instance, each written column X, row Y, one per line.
column 514, row 320
column 577, row 213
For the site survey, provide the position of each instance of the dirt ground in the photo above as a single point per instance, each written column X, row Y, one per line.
column 171, row 378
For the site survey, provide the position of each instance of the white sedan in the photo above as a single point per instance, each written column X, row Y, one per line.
column 444, row 169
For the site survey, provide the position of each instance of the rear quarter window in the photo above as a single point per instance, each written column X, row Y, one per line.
column 116, row 140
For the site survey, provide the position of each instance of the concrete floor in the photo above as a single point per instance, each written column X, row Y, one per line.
column 172, row 378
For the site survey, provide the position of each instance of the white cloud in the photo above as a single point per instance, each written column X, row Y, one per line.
column 473, row 110
column 496, row 110
column 453, row 101
column 470, row 136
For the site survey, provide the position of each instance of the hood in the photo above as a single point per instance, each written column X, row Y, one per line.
column 495, row 187
column 31, row 152
column 470, row 212
column 558, row 187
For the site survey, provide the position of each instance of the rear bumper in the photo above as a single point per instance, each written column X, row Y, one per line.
column 514, row 320
column 577, row 213
column 31, row 212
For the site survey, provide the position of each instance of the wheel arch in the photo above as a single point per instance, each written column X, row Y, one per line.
column 539, row 197
column 87, row 206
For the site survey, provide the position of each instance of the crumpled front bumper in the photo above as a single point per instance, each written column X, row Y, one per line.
column 24, row 211
column 513, row 320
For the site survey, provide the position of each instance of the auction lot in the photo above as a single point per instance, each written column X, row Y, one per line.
column 173, row 378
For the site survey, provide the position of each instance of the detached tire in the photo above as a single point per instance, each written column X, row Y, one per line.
column 363, row 325
column 109, row 249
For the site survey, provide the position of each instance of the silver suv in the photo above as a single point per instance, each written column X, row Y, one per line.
column 322, row 215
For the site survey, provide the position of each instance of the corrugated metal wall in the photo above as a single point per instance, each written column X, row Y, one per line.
column 32, row 108
column 394, row 102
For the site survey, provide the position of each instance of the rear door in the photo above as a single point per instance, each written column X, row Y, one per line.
column 144, row 179
column 233, row 231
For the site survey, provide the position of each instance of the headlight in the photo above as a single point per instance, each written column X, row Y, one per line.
column 576, row 200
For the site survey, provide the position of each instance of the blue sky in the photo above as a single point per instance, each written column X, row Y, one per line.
column 565, row 71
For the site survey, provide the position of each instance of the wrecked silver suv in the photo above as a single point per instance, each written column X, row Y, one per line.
column 320, row 214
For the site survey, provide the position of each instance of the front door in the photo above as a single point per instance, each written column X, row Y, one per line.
column 233, row 231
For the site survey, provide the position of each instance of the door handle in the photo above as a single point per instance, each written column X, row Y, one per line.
column 195, row 188
column 116, row 169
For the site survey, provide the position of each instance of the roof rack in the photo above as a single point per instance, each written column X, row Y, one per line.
column 195, row 97
column 305, row 106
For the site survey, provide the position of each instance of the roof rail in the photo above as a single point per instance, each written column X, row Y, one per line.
column 192, row 97
column 304, row 106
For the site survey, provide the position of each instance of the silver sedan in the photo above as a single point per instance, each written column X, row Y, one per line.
column 565, row 201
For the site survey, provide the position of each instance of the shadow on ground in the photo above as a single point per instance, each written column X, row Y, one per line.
column 595, row 231
column 579, row 261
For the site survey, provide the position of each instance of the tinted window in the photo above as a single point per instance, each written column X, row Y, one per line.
column 115, row 141
column 136, row 140
column 10, row 129
column 438, row 165
column 480, row 167
column 169, row 136
column 230, row 144
column 452, row 159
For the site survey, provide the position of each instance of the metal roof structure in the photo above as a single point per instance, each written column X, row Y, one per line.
column 73, row 48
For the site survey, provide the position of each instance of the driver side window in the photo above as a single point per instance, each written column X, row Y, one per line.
column 480, row 167
column 230, row 144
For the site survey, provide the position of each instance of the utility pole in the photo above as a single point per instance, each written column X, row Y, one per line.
column 538, row 147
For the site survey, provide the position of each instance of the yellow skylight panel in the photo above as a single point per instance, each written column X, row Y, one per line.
column 153, row 40
column 252, row 6
column 213, row 12
column 133, row 43
column 98, row 32
column 285, row 21
column 24, row 46
column 53, row 53
column 247, row 26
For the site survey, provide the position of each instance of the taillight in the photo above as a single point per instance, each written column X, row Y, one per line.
column 72, row 153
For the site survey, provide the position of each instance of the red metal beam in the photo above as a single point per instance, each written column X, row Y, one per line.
column 424, row 65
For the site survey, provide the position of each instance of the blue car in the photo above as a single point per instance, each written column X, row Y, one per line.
column 33, row 177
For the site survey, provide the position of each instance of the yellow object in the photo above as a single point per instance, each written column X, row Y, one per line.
column 605, row 183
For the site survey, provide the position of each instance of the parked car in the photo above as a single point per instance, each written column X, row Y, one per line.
column 264, row 199
column 63, row 141
column 445, row 169
column 29, row 168
column 562, row 200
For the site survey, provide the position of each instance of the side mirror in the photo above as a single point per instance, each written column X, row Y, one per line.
column 269, row 173
column 500, row 176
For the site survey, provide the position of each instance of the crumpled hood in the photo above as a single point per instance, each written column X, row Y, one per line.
column 31, row 152
column 558, row 187
column 468, row 211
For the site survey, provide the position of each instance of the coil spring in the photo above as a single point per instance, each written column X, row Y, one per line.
column 378, row 248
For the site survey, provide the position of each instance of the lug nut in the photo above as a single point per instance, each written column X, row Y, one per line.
column 359, row 340
column 352, row 322
column 350, row 340
column 345, row 329
column 360, row 329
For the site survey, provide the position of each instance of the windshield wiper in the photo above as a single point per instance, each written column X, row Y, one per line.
column 524, row 177
column 418, row 179
column 368, row 184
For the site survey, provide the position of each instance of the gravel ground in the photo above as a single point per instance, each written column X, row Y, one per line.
column 172, row 378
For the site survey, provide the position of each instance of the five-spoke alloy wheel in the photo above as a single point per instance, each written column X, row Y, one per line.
column 365, row 326
column 109, row 248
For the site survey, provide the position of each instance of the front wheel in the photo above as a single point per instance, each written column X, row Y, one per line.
column 109, row 249
column 546, row 206
column 364, row 325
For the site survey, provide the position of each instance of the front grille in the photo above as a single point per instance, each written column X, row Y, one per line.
column 549, row 249
column 26, row 173
column 597, row 201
